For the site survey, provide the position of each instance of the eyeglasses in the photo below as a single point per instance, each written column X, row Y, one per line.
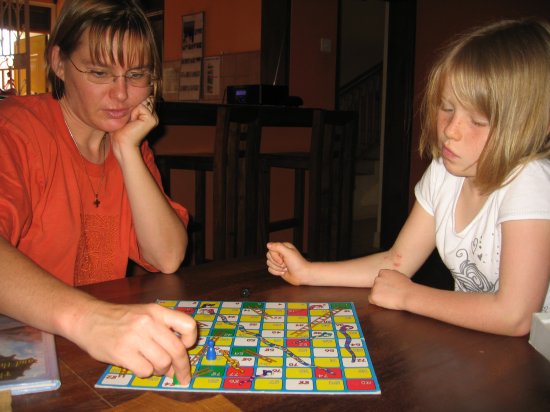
column 136, row 78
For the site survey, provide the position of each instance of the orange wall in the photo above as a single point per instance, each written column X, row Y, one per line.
column 312, row 72
column 230, row 26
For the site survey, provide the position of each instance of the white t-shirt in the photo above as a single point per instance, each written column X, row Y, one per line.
column 473, row 255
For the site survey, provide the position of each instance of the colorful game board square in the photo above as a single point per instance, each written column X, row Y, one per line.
column 210, row 371
column 296, row 312
column 298, row 342
column 343, row 320
column 242, row 350
column 359, row 363
column 223, row 325
column 328, row 373
column 354, row 334
column 230, row 318
column 324, row 343
column 150, row 382
column 276, row 318
column 243, row 334
column 239, row 341
column 206, row 383
column 220, row 360
column 330, row 385
column 270, row 352
column 323, row 352
column 340, row 305
column 250, row 326
column 298, row 373
column 250, row 318
column 273, row 333
column 320, row 313
column 327, row 362
column 320, row 305
column 301, row 352
column 322, row 326
column 253, row 305
column 274, row 311
column 206, row 318
column 275, row 305
column 168, row 383
column 346, row 353
column 187, row 311
column 223, row 341
column 358, row 373
column 274, row 325
column 297, row 305
column 293, row 363
column 194, row 350
column 212, row 304
column 270, row 362
column 361, row 384
column 269, row 372
column 297, row 319
column 237, row 383
column 167, row 303
column 264, row 384
column 273, row 341
column 240, row 372
column 188, row 304
column 298, row 334
column 245, row 360
column 117, row 379
column 229, row 311
column 354, row 343
column 232, row 305
column 298, row 384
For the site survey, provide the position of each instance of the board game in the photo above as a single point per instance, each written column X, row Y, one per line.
column 268, row 347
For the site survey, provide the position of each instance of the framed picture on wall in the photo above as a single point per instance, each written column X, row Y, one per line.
column 191, row 56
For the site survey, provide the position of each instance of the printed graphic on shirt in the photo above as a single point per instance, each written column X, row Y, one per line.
column 468, row 277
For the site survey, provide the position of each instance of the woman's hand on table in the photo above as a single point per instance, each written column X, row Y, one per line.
column 146, row 339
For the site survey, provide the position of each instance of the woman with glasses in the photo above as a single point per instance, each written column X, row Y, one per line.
column 80, row 193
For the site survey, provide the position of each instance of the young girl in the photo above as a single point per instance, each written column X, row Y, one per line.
column 484, row 201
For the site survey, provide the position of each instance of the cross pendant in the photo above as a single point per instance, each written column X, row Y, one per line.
column 96, row 201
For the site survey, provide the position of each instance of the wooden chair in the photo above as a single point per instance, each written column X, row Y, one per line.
column 235, row 157
column 330, row 168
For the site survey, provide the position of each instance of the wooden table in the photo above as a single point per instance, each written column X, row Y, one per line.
column 421, row 364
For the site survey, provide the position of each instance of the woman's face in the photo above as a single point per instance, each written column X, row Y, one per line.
column 104, row 107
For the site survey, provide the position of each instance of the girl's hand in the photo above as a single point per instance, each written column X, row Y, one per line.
column 390, row 289
column 284, row 260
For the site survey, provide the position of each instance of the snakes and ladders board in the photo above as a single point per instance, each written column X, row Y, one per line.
column 268, row 347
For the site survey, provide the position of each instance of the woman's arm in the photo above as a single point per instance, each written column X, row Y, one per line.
column 161, row 235
column 144, row 332
column 524, row 278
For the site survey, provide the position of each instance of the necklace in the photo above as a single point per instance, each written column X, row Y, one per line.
column 96, row 201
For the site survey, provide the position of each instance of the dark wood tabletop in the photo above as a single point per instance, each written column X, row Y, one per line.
column 421, row 364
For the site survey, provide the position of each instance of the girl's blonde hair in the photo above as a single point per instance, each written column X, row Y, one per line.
column 109, row 23
column 503, row 72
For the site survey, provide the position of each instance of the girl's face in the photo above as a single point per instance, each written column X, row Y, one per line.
column 104, row 107
column 462, row 134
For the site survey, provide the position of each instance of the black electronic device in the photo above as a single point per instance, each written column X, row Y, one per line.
column 261, row 94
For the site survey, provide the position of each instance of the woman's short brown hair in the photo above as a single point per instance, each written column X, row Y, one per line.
column 108, row 23
column 503, row 72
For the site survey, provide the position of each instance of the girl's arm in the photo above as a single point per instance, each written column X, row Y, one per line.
column 161, row 235
column 524, row 278
column 415, row 243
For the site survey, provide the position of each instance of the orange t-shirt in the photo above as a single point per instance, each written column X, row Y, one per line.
column 46, row 197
